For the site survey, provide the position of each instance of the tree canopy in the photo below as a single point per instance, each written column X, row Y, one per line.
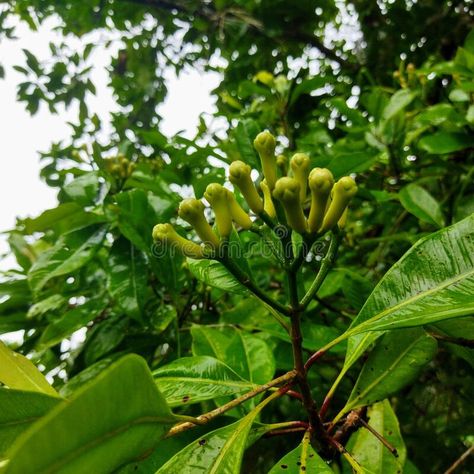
column 378, row 90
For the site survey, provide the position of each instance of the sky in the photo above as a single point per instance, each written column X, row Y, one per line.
column 22, row 193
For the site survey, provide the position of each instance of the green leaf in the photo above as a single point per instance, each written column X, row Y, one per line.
column 244, row 134
column 395, row 361
column 18, row 372
column 355, row 162
column 369, row 452
column 41, row 308
column 422, row 204
column 215, row 274
column 433, row 281
column 127, row 277
column 137, row 216
column 195, row 379
column 218, row 452
column 440, row 143
column 303, row 459
column 84, row 190
column 105, row 336
column 19, row 410
column 246, row 354
column 118, row 417
column 71, row 321
column 397, row 103
column 64, row 218
column 307, row 86
column 71, row 252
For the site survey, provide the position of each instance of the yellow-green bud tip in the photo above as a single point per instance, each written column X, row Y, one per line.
column 238, row 171
column 190, row 209
column 265, row 142
column 300, row 161
column 162, row 231
column 347, row 186
column 286, row 189
column 215, row 191
column 320, row 180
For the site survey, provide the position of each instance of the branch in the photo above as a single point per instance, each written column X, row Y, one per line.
column 460, row 460
column 309, row 404
column 206, row 417
column 326, row 265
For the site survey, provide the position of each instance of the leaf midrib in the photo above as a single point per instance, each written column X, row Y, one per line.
column 410, row 300
column 385, row 373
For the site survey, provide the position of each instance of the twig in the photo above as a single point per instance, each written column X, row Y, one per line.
column 326, row 264
column 313, row 359
column 460, row 460
column 293, row 427
column 206, row 417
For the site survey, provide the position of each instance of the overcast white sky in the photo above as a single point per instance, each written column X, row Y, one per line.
column 22, row 193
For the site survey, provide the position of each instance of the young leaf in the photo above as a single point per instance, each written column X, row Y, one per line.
column 369, row 452
column 18, row 372
column 302, row 460
column 395, row 361
column 19, row 410
column 118, row 417
column 195, row 379
column 422, row 204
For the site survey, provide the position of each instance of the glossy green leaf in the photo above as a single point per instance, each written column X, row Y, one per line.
column 42, row 307
column 128, row 277
column 218, row 452
column 398, row 102
column 397, row 359
column 70, row 253
column 247, row 355
column 303, row 459
column 215, row 274
column 105, row 336
column 369, row 452
column 18, row 411
column 345, row 164
column 71, row 321
column 116, row 418
column 84, row 190
column 432, row 282
column 18, row 372
column 442, row 142
column 422, row 204
column 137, row 212
column 66, row 217
column 195, row 379
column 244, row 134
